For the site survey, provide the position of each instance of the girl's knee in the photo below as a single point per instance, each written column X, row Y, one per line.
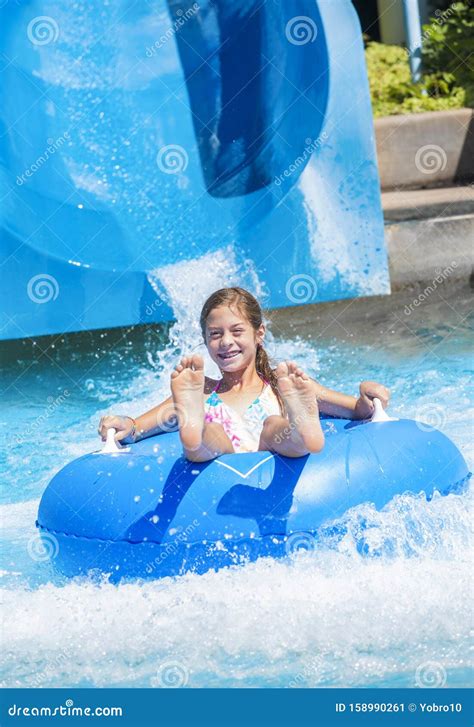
column 216, row 436
column 199, row 456
column 272, row 420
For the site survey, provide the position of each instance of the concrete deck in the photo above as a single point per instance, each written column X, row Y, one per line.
column 421, row 204
column 427, row 179
column 392, row 324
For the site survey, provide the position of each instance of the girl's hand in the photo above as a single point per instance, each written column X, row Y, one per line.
column 123, row 425
column 370, row 390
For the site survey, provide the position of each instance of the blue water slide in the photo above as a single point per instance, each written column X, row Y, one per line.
column 149, row 147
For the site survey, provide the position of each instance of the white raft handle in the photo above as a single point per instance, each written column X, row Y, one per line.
column 111, row 446
column 380, row 415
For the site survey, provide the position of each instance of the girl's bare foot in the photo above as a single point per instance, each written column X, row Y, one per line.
column 187, row 388
column 297, row 392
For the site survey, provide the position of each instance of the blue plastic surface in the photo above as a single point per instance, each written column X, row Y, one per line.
column 137, row 137
column 148, row 512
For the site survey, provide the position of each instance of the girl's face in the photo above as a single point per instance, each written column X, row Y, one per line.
column 230, row 339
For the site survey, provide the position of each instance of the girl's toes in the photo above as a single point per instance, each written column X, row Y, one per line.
column 281, row 369
column 197, row 362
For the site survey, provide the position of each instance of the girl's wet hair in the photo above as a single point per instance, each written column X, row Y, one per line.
column 250, row 308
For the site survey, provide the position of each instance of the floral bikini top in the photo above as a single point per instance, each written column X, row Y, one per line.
column 244, row 429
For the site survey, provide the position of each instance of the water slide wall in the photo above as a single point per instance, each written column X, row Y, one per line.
column 151, row 152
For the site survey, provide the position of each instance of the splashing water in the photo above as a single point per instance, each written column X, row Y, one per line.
column 385, row 604
column 188, row 283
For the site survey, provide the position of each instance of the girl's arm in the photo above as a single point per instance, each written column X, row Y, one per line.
column 161, row 418
column 334, row 403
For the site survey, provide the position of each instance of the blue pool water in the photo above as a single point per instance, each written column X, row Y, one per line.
column 397, row 617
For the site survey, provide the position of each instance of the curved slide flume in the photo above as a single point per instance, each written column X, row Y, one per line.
column 136, row 138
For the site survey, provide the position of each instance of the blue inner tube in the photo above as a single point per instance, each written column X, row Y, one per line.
column 147, row 512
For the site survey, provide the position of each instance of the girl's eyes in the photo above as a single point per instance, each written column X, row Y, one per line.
column 214, row 334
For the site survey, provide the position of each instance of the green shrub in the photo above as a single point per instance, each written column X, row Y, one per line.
column 393, row 92
column 448, row 47
column 448, row 74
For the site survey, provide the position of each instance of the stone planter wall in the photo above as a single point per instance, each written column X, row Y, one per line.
column 426, row 150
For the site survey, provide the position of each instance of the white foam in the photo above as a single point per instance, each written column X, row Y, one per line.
column 332, row 248
column 328, row 617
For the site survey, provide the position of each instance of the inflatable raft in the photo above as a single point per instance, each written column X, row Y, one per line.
column 145, row 511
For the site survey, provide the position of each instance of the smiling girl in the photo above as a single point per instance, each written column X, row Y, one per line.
column 251, row 407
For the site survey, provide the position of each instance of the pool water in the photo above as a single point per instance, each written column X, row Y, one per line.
column 398, row 616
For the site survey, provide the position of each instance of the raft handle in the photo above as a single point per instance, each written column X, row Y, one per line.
column 380, row 415
column 111, row 446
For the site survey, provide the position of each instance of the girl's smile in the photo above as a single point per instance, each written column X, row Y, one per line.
column 229, row 355
column 231, row 340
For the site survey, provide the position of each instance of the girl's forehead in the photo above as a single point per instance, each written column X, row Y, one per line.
column 223, row 315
